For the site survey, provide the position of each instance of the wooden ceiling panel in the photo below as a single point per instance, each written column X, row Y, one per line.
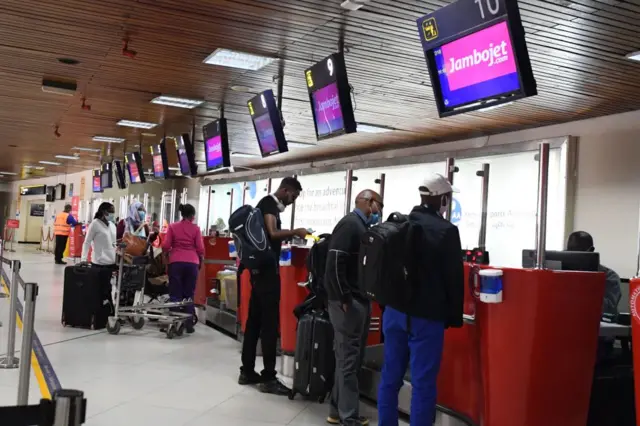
column 577, row 49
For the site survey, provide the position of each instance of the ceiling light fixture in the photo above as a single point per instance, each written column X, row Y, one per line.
column 50, row 163
column 243, row 155
column 354, row 5
column 300, row 145
column 243, row 89
column 136, row 124
column 80, row 148
column 148, row 134
column 33, row 167
column 634, row 56
column 177, row 102
column 108, row 139
column 234, row 59
column 369, row 128
column 67, row 157
column 174, row 169
column 8, row 173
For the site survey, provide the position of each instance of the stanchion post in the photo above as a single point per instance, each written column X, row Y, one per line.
column 451, row 170
column 28, row 321
column 543, row 186
column 70, row 408
column 484, row 174
column 10, row 361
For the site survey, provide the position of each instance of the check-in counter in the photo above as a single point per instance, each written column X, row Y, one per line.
column 216, row 259
column 527, row 361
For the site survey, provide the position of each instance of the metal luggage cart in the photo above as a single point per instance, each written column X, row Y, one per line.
column 137, row 314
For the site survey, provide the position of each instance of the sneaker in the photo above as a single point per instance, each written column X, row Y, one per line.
column 249, row 379
column 274, row 387
column 333, row 420
column 189, row 327
column 362, row 421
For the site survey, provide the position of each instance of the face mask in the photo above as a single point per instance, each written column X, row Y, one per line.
column 142, row 215
column 373, row 219
column 444, row 205
column 111, row 217
column 281, row 206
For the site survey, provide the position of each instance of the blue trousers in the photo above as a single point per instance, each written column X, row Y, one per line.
column 182, row 282
column 417, row 342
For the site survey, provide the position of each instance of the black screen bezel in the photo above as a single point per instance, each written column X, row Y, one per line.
column 161, row 150
column 213, row 129
column 121, row 180
column 257, row 110
column 106, row 170
column 184, row 142
column 96, row 174
column 137, row 158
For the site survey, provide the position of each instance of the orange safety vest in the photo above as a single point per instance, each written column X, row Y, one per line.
column 60, row 226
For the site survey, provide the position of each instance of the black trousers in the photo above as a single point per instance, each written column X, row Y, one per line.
column 262, row 323
column 61, row 244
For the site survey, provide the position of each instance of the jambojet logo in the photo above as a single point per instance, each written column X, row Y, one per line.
column 331, row 103
column 494, row 55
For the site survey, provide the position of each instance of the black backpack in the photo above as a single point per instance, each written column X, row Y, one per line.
column 316, row 265
column 250, row 237
column 385, row 262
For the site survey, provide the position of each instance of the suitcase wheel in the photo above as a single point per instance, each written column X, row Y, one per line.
column 292, row 394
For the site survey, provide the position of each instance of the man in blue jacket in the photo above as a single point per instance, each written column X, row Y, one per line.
column 415, row 333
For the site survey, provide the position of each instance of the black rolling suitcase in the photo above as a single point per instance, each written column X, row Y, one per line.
column 86, row 301
column 315, row 361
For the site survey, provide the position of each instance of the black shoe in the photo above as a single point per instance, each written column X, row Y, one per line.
column 274, row 387
column 61, row 263
column 189, row 327
column 249, row 379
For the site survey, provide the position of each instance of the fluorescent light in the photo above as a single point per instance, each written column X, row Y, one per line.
column 634, row 56
column 33, row 167
column 80, row 148
column 109, row 139
column 177, row 102
column 136, row 124
column 243, row 89
column 234, row 59
column 8, row 173
column 147, row 134
column 353, row 5
column 200, row 162
column 368, row 128
column 174, row 169
column 300, row 145
column 243, row 155
column 67, row 157
column 50, row 163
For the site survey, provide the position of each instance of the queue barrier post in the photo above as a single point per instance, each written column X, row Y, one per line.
column 28, row 319
column 66, row 408
column 10, row 361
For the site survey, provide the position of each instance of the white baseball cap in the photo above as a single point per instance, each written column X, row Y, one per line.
column 435, row 185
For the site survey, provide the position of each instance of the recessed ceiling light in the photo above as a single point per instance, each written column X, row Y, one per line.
column 33, row 167
column 243, row 89
column 108, row 139
column 148, row 134
column 177, row 102
column 174, row 169
column 50, row 163
column 368, row 128
column 67, row 157
column 80, row 148
column 634, row 56
column 300, row 145
column 241, row 60
column 136, row 124
column 243, row 155
column 8, row 173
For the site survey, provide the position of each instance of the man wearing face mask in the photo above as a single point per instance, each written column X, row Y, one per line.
column 415, row 332
column 349, row 308
column 264, row 305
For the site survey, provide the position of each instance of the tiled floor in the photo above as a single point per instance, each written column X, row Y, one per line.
column 141, row 378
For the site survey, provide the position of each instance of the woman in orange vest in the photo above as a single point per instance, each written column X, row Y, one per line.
column 61, row 229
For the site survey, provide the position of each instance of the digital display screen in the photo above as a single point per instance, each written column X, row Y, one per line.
column 134, row 173
column 185, row 169
column 106, row 178
column 479, row 66
column 328, row 113
column 120, row 175
column 104, row 181
column 158, row 166
column 213, row 147
column 266, row 134
column 97, row 184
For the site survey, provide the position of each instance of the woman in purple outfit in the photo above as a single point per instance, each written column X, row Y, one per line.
column 185, row 249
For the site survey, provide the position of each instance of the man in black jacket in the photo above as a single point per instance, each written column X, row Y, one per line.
column 349, row 308
column 416, row 333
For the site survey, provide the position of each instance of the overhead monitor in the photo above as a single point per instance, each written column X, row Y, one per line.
column 216, row 145
column 120, row 178
column 477, row 55
column 51, row 194
column 330, row 97
column 106, row 176
column 160, row 162
column 267, row 124
column 186, row 156
column 96, row 181
column 61, row 191
column 134, row 167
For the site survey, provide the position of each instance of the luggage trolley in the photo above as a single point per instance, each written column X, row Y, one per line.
column 138, row 312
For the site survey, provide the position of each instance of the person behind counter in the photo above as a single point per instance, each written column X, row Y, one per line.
column 61, row 229
column 185, row 248
column 101, row 236
column 264, row 305
column 415, row 334
column 349, row 308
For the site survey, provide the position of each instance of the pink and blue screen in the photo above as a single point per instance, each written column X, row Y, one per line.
column 326, row 105
column 478, row 66
column 213, row 147
column 266, row 134
column 185, row 168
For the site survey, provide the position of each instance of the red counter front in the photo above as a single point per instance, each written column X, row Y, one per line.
column 527, row 361
column 634, row 304
column 216, row 257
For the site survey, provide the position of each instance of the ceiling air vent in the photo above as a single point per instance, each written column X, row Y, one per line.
column 67, row 88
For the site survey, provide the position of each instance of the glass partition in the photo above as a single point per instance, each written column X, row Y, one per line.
column 321, row 202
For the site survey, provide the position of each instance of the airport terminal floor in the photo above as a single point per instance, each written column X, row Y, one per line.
column 142, row 378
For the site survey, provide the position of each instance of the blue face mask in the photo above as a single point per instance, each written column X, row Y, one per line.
column 373, row 219
column 111, row 217
column 142, row 215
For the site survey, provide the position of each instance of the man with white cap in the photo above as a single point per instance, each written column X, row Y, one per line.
column 415, row 333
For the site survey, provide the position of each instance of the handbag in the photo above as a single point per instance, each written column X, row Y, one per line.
column 135, row 246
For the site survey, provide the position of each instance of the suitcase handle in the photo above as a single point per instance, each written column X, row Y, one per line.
column 81, row 269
